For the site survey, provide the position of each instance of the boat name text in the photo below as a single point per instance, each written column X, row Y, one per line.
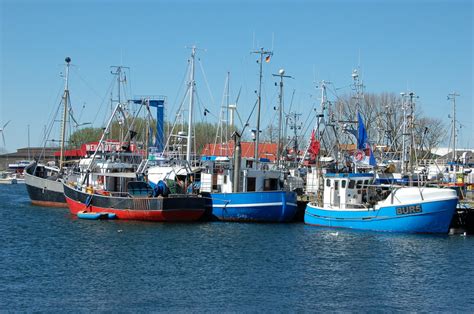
column 406, row 210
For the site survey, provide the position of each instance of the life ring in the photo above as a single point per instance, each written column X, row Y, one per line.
column 359, row 155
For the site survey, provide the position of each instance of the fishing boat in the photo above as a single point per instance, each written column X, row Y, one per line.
column 350, row 200
column 116, row 187
column 136, row 206
column 44, row 182
column 252, row 192
column 246, row 194
column 353, row 200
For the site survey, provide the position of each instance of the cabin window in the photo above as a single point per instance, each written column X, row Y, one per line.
column 359, row 184
column 328, row 182
column 351, row 184
column 336, row 185
column 225, row 179
column 343, row 184
column 270, row 184
column 366, row 182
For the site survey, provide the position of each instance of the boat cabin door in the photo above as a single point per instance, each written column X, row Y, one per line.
column 335, row 193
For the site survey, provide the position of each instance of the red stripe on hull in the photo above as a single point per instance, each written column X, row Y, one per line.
column 49, row 204
column 148, row 215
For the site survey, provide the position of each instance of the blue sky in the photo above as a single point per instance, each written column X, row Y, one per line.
column 421, row 46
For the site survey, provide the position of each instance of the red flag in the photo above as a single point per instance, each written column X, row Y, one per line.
column 314, row 145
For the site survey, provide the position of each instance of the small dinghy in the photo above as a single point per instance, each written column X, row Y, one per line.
column 94, row 216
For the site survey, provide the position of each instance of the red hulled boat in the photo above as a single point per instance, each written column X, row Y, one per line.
column 136, row 206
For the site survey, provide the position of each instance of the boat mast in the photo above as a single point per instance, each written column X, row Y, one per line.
column 408, row 129
column 404, row 134
column 359, row 89
column 223, row 125
column 226, row 129
column 319, row 118
column 191, row 104
column 118, row 70
column 268, row 54
column 452, row 97
column 412, row 131
column 63, row 125
column 281, row 74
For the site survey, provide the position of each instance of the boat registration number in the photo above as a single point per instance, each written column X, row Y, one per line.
column 406, row 210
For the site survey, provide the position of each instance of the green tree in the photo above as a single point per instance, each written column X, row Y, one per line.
column 85, row 135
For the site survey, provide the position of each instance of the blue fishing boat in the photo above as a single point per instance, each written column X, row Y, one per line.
column 353, row 201
column 252, row 192
column 247, row 194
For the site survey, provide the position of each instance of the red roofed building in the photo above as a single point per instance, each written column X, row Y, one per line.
column 265, row 150
column 89, row 148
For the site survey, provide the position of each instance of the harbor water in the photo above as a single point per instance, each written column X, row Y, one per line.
column 52, row 261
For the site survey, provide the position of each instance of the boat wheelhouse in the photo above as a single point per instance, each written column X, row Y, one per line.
column 251, row 195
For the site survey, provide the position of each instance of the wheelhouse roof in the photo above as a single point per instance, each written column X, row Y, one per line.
column 349, row 175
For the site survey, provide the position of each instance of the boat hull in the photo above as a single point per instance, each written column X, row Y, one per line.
column 424, row 217
column 272, row 206
column 173, row 208
column 43, row 191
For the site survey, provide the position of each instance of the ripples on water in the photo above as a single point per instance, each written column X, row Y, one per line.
column 53, row 261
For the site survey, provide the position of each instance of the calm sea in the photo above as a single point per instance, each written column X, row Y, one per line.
column 51, row 261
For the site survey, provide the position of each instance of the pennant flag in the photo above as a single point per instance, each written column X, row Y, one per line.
column 267, row 59
column 362, row 138
column 363, row 141
column 314, row 145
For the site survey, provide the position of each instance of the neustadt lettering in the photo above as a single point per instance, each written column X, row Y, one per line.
column 405, row 210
